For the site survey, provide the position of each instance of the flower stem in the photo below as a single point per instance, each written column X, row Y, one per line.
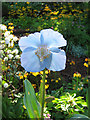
column 43, row 94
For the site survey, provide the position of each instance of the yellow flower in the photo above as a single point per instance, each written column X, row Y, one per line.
column 41, row 72
column 47, row 8
column 86, row 59
column 56, row 81
column 59, row 78
column 35, row 10
column 10, row 23
column 45, row 81
column 21, row 77
column 8, row 67
column 26, row 33
column 80, row 12
column 74, row 75
column 41, row 81
column 27, row 2
column 55, row 13
column 34, row 85
column 85, row 64
column 46, row 72
column 81, row 88
column 77, row 75
column 11, row 27
column 87, row 80
column 56, row 28
column 61, row 7
column 78, row 89
column 24, row 107
column 19, row 74
column 25, row 75
column 46, row 86
column 11, row 31
column 89, row 63
column 73, row 88
column 70, row 63
column 73, row 62
column 51, row 80
column 35, row 73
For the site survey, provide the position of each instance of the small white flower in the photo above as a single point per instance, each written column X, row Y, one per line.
column 10, row 56
column 1, row 46
column 0, row 77
column 6, row 59
column 15, row 51
column 7, row 40
column 11, row 36
column 17, row 57
column 3, row 27
column 2, row 41
column 6, row 85
column 1, row 51
column 15, row 38
column 65, row 108
column 7, row 33
column 11, row 44
column 8, row 51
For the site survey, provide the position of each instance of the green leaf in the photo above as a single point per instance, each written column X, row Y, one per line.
column 30, row 101
column 79, row 117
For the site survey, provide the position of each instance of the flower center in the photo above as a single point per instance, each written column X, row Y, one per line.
column 42, row 52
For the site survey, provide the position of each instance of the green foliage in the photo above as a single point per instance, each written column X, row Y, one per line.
column 70, row 22
column 30, row 101
column 79, row 116
column 67, row 105
column 13, row 110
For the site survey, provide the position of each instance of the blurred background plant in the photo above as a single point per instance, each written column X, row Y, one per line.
column 70, row 19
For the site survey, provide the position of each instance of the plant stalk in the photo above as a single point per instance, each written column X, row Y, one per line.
column 43, row 94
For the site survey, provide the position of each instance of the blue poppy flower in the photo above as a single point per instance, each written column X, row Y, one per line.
column 40, row 51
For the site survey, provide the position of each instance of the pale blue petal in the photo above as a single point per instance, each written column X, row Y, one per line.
column 52, row 38
column 54, row 49
column 30, row 61
column 33, row 40
column 57, row 61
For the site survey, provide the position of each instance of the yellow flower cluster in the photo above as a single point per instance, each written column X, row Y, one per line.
column 76, row 74
column 23, row 76
column 34, row 85
column 47, row 8
column 72, row 62
column 87, row 60
column 41, row 72
column 85, row 64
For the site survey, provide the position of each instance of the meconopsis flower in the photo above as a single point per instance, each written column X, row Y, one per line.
column 40, row 51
